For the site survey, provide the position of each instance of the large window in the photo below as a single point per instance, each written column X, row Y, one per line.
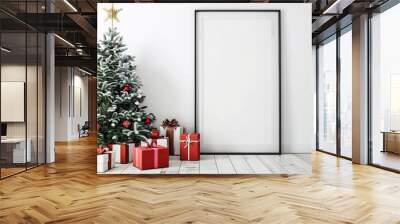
column 346, row 93
column 22, row 77
column 385, row 89
column 335, row 94
column 327, row 96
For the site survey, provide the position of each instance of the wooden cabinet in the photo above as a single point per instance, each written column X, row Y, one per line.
column 391, row 142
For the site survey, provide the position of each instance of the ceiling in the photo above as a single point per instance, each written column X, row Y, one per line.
column 75, row 22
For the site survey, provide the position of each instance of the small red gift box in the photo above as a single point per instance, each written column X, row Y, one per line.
column 190, row 146
column 150, row 157
column 111, row 159
column 122, row 151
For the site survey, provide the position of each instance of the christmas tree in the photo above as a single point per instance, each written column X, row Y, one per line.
column 120, row 114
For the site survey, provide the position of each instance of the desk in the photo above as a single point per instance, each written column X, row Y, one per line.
column 16, row 147
column 391, row 141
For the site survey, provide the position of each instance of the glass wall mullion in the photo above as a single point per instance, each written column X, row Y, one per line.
column 1, row 163
column 338, row 82
column 26, row 87
column 317, row 95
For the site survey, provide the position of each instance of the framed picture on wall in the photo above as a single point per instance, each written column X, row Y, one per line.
column 238, row 81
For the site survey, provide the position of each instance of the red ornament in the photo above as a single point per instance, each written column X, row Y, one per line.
column 147, row 121
column 126, row 124
column 126, row 88
column 155, row 133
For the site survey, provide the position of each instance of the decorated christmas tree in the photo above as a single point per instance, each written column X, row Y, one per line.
column 121, row 116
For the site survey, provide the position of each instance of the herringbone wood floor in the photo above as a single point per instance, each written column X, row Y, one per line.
column 69, row 191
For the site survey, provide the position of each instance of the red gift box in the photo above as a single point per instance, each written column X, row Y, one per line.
column 150, row 157
column 190, row 146
column 122, row 151
column 111, row 159
column 124, row 154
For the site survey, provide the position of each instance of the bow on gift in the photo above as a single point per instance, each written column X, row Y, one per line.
column 187, row 142
column 170, row 123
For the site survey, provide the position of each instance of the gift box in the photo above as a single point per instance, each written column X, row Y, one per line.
column 131, row 148
column 102, row 163
column 122, row 152
column 151, row 157
column 172, row 130
column 111, row 159
column 160, row 141
column 190, row 146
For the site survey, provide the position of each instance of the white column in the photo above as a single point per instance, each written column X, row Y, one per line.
column 50, row 94
column 360, row 90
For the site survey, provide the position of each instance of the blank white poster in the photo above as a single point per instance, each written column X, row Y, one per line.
column 12, row 101
column 237, row 74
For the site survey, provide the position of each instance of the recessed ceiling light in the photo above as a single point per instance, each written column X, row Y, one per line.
column 84, row 71
column 337, row 7
column 70, row 5
column 64, row 40
column 5, row 50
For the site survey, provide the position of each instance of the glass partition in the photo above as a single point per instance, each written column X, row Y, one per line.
column 346, row 93
column 327, row 96
column 31, row 97
column 385, row 89
column 14, row 155
column 22, row 77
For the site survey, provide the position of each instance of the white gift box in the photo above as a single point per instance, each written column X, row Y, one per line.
column 117, row 149
column 175, row 139
column 113, row 155
column 102, row 167
column 102, row 163
column 102, row 158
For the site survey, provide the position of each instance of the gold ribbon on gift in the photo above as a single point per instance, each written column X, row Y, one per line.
column 170, row 123
column 187, row 142
column 170, row 126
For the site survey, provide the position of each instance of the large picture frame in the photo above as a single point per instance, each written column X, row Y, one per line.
column 277, row 13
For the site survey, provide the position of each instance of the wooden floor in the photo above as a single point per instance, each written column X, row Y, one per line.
column 387, row 159
column 227, row 165
column 69, row 191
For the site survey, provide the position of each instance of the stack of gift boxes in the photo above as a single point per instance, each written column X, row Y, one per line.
column 105, row 159
column 153, row 154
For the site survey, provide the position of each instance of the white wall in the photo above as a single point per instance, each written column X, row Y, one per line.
column 161, row 36
column 67, row 80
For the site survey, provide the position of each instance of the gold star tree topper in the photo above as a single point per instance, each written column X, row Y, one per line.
column 112, row 14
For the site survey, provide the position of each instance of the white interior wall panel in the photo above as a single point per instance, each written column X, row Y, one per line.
column 162, row 38
column 238, row 81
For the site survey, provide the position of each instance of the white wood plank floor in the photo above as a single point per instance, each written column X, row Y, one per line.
column 228, row 164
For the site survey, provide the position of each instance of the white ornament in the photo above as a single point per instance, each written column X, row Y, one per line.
column 113, row 125
column 139, row 96
column 139, row 119
column 137, row 102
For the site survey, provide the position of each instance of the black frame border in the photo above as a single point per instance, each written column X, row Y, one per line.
column 280, row 71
